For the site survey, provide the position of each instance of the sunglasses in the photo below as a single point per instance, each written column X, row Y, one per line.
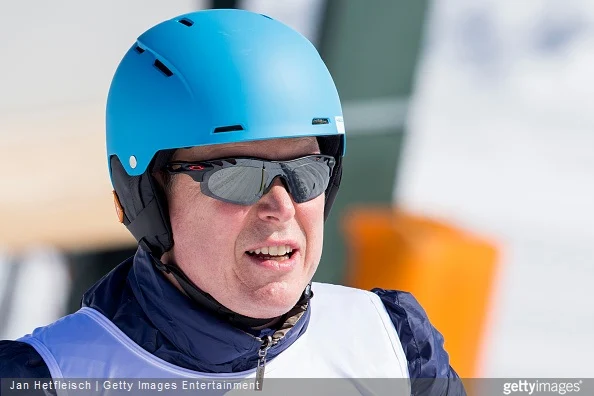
column 244, row 181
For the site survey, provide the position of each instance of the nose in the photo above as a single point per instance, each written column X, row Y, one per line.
column 276, row 205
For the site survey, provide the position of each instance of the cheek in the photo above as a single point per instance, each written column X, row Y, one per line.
column 201, row 226
column 312, row 221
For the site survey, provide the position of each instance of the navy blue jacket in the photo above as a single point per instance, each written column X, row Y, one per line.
column 152, row 312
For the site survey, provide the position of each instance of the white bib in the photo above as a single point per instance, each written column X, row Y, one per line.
column 350, row 335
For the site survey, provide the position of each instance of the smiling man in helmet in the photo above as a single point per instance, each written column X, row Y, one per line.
column 225, row 142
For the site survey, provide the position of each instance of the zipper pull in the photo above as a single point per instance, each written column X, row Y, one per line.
column 266, row 344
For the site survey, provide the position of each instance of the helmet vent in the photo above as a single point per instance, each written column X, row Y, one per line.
column 265, row 16
column 229, row 128
column 320, row 121
column 186, row 21
column 138, row 49
column 159, row 65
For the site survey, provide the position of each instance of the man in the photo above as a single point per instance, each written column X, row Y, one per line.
column 225, row 142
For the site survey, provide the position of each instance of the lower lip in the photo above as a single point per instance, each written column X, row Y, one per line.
column 285, row 265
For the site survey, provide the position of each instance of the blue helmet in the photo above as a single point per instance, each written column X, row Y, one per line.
column 211, row 77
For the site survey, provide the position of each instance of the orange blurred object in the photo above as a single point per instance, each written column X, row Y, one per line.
column 449, row 271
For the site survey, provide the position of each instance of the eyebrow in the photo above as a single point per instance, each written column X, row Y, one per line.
column 266, row 158
column 232, row 153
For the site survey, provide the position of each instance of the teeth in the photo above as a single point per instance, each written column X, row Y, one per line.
column 273, row 250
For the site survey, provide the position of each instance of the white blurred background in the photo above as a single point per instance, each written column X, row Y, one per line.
column 502, row 141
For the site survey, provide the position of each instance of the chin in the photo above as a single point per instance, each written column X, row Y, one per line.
column 272, row 300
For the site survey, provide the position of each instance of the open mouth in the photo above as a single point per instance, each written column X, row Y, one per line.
column 276, row 253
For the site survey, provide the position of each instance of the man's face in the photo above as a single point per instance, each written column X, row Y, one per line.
column 213, row 239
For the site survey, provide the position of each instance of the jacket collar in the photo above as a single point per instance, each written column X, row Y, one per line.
column 187, row 333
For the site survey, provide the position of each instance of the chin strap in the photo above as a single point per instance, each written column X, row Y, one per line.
column 205, row 300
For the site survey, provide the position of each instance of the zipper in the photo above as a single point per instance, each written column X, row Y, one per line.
column 267, row 343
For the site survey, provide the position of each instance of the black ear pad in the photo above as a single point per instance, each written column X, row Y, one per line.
column 332, row 145
column 332, row 189
column 145, row 208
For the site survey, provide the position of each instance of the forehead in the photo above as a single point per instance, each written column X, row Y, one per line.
column 273, row 149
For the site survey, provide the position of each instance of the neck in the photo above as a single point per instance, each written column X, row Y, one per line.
column 205, row 300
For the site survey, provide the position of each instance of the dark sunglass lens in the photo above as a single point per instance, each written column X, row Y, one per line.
column 238, row 184
column 308, row 180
